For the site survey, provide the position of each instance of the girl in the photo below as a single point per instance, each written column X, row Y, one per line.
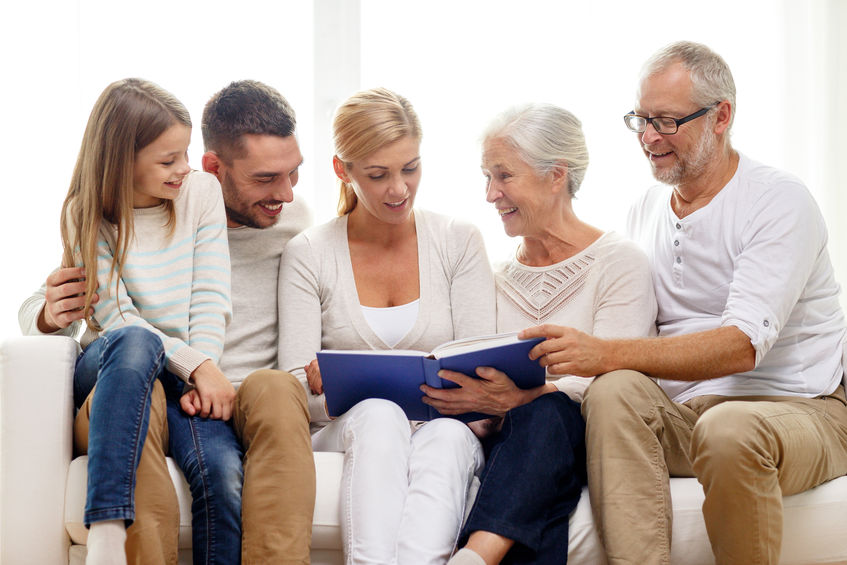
column 381, row 276
column 151, row 238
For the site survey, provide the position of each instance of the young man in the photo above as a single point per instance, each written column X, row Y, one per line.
column 746, row 391
column 249, row 136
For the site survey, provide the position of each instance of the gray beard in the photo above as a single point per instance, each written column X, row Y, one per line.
column 687, row 170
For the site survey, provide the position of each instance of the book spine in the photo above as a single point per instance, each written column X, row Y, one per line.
column 430, row 371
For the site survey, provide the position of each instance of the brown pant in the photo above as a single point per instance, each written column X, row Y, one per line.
column 152, row 537
column 271, row 418
column 747, row 452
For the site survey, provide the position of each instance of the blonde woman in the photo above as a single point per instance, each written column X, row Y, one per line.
column 147, row 238
column 385, row 275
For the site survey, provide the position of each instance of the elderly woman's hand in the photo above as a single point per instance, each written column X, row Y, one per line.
column 567, row 351
column 492, row 393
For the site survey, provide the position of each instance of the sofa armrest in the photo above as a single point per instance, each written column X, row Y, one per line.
column 36, row 418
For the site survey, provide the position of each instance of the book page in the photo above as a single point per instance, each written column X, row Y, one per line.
column 406, row 352
column 477, row 343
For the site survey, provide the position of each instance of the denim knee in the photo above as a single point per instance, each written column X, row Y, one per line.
column 225, row 473
column 124, row 351
column 139, row 343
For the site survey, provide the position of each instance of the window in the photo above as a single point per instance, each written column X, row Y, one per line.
column 458, row 62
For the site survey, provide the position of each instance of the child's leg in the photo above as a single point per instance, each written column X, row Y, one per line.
column 153, row 536
column 127, row 363
column 209, row 454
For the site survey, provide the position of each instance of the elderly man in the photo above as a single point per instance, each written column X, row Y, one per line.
column 743, row 388
column 249, row 137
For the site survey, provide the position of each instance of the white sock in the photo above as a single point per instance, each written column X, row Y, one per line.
column 465, row 556
column 105, row 544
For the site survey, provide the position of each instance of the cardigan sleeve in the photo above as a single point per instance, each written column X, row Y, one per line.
column 472, row 292
column 299, row 303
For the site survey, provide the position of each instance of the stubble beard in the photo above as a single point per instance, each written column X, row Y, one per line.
column 684, row 170
column 239, row 215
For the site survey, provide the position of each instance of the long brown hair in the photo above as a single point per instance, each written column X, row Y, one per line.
column 127, row 117
column 365, row 122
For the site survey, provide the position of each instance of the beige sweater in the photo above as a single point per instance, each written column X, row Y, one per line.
column 319, row 305
column 605, row 291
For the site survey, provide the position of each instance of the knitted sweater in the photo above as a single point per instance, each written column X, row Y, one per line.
column 177, row 286
column 605, row 290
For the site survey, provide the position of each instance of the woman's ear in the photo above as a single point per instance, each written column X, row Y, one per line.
column 560, row 177
column 340, row 170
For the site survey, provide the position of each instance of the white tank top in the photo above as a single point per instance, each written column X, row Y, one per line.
column 393, row 323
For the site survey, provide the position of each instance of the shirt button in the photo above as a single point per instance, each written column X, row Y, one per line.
column 766, row 323
column 676, row 242
column 678, row 226
column 679, row 259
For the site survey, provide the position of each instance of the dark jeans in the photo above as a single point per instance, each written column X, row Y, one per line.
column 124, row 364
column 209, row 454
column 532, row 480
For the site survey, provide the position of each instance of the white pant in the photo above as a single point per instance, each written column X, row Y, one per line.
column 403, row 493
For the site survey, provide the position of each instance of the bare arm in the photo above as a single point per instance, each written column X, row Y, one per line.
column 694, row 357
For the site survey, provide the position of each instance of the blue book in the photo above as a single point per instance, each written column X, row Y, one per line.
column 396, row 375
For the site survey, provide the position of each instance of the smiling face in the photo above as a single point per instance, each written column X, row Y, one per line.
column 386, row 181
column 160, row 167
column 257, row 184
column 679, row 158
column 523, row 198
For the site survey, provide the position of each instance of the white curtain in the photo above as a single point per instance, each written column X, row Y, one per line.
column 459, row 63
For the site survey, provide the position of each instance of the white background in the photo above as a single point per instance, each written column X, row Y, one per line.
column 458, row 62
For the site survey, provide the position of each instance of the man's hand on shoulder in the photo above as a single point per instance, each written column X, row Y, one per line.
column 213, row 392
column 64, row 299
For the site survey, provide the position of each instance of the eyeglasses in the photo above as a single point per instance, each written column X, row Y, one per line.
column 664, row 125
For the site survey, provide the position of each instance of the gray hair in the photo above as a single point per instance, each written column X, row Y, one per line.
column 711, row 78
column 546, row 137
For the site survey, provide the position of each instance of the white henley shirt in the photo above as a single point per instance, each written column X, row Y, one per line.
column 755, row 257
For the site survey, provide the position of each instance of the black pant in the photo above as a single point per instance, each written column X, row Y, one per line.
column 532, row 480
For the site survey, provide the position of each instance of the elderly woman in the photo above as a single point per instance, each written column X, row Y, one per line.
column 564, row 272
column 386, row 275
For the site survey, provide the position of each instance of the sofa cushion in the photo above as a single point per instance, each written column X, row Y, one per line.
column 813, row 520
column 326, row 530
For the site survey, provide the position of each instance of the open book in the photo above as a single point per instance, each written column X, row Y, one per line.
column 396, row 375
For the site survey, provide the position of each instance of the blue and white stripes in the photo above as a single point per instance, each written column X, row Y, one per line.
column 177, row 286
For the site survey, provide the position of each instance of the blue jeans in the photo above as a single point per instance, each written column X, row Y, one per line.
column 532, row 480
column 209, row 454
column 124, row 364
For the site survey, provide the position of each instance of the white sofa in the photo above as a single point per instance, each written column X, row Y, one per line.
column 42, row 491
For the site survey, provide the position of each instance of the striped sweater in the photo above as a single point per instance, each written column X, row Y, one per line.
column 177, row 286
